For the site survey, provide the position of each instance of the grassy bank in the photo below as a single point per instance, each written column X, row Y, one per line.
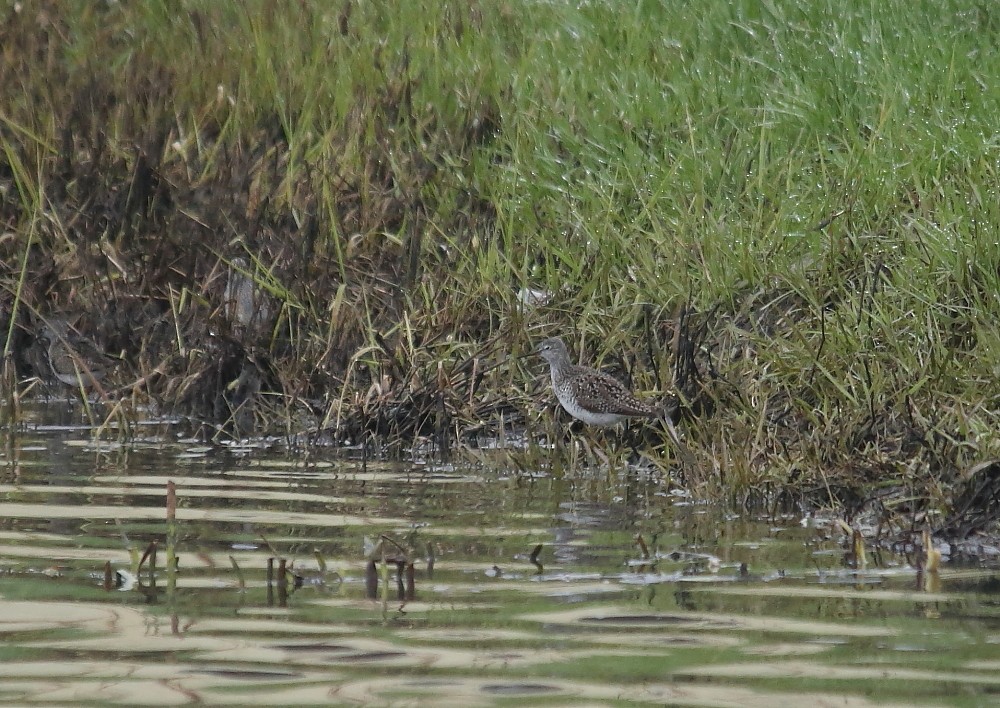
column 790, row 208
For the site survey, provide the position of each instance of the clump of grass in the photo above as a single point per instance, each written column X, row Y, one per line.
column 812, row 185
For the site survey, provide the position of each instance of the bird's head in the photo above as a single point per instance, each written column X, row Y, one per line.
column 552, row 349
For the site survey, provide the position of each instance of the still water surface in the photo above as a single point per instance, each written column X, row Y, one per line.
column 707, row 609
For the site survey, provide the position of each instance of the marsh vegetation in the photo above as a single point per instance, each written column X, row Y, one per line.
column 347, row 222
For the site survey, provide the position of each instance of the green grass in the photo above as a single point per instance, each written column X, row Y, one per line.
column 816, row 181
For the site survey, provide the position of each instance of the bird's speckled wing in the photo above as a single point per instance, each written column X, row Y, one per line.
column 596, row 391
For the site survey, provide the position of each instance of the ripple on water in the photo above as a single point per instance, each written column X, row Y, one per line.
column 703, row 609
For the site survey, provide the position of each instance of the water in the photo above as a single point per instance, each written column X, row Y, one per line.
column 638, row 595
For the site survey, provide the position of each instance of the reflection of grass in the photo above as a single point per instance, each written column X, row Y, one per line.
column 72, row 586
column 819, row 189
column 623, row 665
column 860, row 667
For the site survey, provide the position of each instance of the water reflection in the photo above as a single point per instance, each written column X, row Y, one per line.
column 333, row 580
